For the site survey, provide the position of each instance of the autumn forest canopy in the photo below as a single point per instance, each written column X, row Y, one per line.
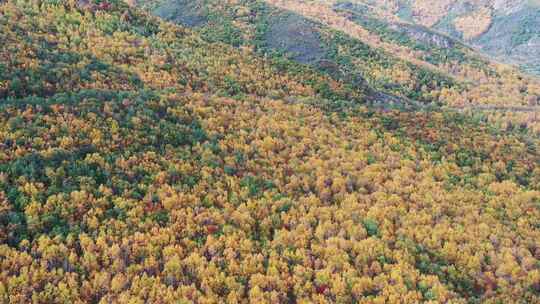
column 249, row 151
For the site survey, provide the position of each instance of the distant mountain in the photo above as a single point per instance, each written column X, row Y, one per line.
column 508, row 30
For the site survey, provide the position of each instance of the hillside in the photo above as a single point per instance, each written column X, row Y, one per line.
column 390, row 63
column 144, row 161
column 508, row 30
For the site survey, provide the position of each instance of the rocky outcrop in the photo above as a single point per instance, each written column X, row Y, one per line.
column 424, row 35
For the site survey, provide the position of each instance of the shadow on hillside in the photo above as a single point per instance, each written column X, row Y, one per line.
column 59, row 71
column 185, row 12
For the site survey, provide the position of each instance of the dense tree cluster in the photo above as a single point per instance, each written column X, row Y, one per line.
column 142, row 164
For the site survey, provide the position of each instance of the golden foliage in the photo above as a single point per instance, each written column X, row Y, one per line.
column 215, row 178
column 474, row 24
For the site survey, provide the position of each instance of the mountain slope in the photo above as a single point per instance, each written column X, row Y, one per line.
column 346, row 39
column 391, row 63
column 505, row 29
column 141, row 163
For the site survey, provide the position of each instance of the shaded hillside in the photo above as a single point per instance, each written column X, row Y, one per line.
column 514, row 38
column 391, row 63
column 141, row 162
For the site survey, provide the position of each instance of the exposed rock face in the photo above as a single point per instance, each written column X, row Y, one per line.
column 424, row 35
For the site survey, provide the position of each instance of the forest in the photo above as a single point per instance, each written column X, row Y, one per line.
column 146, row 161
